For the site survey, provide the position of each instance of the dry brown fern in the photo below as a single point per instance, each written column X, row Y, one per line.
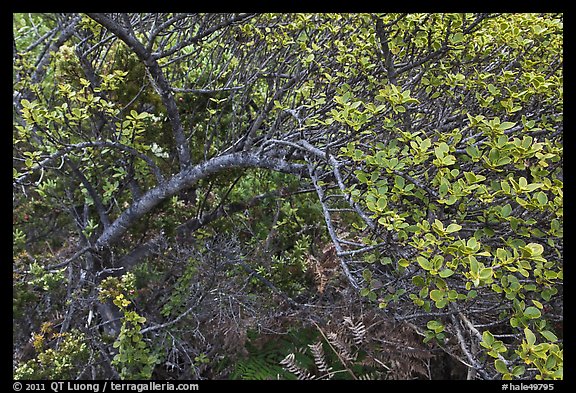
column 289, row 363
column 323, row 268
column 317, row 351
column 357, row 329
column 365, row 346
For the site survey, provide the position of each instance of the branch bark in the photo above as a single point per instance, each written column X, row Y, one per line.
column 331, row 230
column 185, row 179
column 388, row 59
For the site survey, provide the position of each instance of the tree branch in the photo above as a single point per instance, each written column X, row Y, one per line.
column 92, row 192
column 471, row 359
column 185, row 179
column 388, row 59
column 162, row 86
column 331, row 230
column 202, row 34
column 79, row 146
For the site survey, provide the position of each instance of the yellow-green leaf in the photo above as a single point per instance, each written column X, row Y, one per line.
column 530, row 337
column 500, row 366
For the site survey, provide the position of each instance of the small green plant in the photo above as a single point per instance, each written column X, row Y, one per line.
column 181, row 292
column 18, row 239
column 265, row 355
column 436, row 331
column 133, row 360
column 46, row 280
column 64, row 361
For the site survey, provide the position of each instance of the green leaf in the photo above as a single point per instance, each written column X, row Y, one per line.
column 470, row 177
column 472, row 243
column 403, row 262
column 530, row 337
column 399, row 182
column 535, row 249
column 435, row 325
column 424, row 263
column 452, row 199
column 548, row 335
column 537, row 304
column 518, row 371
column 506, row 125
column 446, row 273
column 474, row 266
column 423, row 292
column 436, row 295
column 418, row 281
column 438, row 225
column 492, row 89
column 453, row 228
column 441, row 150
column 500, row 366
column 542, row 198
column 551, row 362
column 533, row 186
column 382, row 202
column 488, row 338
column 485, row 274
column 506, row 210
column 457, row 38
column 362, row 177
column 441, row 303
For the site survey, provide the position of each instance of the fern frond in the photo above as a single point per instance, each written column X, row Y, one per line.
column 342, row 347
column 369, row 376
column 358, row 330
column 320, row 359
column 289, row 364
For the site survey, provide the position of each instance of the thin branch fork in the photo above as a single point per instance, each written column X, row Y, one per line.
column 331, row 230
column 477, row 333
column 65, row 263
column 329, row 158
column 463, row 345
column 203, row 34
column 362, row 250
column 169, row 323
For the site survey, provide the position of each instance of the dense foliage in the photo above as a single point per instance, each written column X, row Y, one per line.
column 263, row 196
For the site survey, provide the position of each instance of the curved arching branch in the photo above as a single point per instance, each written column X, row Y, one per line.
column 185, row 179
